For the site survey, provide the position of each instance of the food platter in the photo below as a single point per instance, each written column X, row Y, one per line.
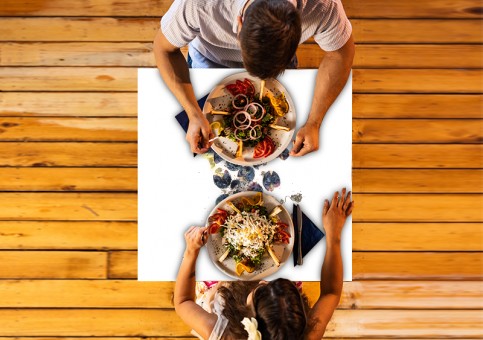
column 220, row 100
column 216, row 247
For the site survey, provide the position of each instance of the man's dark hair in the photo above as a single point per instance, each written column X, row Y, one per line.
column 269, row 37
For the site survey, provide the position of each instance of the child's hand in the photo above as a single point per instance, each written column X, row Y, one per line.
column 196, row 238
column 335, row 214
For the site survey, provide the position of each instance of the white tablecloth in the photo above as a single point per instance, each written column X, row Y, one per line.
column 176, row 190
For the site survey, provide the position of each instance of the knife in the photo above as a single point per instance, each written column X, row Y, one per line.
column 300, row 260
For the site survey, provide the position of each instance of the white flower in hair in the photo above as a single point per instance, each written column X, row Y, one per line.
column 251, row 326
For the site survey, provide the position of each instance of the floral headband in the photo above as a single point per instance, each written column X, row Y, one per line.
column 251, row 326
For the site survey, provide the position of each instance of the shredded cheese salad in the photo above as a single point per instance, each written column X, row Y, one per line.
column 248, row 230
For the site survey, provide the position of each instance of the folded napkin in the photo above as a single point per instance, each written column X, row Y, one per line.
column 311, row 235
column 183, row 119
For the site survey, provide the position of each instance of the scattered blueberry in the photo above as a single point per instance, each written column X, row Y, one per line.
column 254, row 186
column 217, row 158
column 283, row 156
column 221, row 198
column 247, row 173
column 271, row 180
column 235, row 184
column 222, row 181
column 232, row 167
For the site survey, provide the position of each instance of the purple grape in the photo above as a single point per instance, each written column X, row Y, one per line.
column 222, row 181
column 284, row 155
column 232, row 167
column 221, row 198
column 271, row 180
column 247, row 173
column 217, row 158
column 235, row 184
column 254, row 186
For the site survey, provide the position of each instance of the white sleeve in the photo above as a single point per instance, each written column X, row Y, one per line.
column 335, row 29
column 181, row 23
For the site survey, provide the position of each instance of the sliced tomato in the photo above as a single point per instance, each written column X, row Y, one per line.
column 213, row 228
column 260, row 149
column 233, row 89
column 250, row 87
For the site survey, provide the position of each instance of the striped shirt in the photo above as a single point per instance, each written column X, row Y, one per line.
column 210, row 28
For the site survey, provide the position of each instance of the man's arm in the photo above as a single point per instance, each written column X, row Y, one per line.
column 331, row 78
column 334, row 216
column 184, row 291
column 174, row 70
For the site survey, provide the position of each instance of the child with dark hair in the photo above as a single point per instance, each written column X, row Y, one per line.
column 263, row 310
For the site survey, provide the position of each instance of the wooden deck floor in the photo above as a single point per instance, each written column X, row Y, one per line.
column 68, row 179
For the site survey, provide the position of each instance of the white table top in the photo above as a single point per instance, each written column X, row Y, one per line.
column 176, row 190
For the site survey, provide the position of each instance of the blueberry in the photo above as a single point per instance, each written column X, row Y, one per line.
column 247, row 173
column 217, row 158
column 221, row 198
column 254, row 186
column 232, row 167
column 222, row 181
column 284, row 155
column 271, row 180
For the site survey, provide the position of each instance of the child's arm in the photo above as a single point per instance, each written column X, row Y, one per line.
column 184, row 291
column 333, row 217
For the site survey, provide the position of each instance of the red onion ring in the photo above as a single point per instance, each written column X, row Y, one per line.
column 236, row 97
column 235, row 133
column 252, row 112
column 239, row 123
column 254, row 130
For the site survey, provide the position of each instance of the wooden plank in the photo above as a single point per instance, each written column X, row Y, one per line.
column 68, row 207
column 68, row 129
column 68, row 79
column 416, row 156
column 141, row 55
column 144, row 29
column 413, row 9
column 430, row 236
column 419, row 266
column 123, row 265
column 393, row 56
column 134, row 294
column 125, row 79
column 52, row 265
column 417, row 131
column 58, row 104
column 418, row 208
column 354, row 8
column 366, row 265
column 417, row 81
column 68, row 154
column 416, row 106
column 417, row 181
column 416, row 31
column 68, row 235
column 68, row 179
column 142, row 322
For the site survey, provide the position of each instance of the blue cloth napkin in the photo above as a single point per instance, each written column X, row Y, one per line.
column 183, row 119
column 311, row 235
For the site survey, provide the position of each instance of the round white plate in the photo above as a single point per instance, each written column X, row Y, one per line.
column 267, row 267
column 219, row 99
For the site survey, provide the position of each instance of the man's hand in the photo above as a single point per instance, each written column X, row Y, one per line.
column 335, row 214
column 306, row 141
column 199, row 133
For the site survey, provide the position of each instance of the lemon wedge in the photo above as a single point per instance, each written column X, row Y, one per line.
column 217, row 127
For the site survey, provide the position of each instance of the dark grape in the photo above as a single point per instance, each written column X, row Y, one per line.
column 284, row 155
column 217, row 158
column 247, row 173
column 232, row 167
column 221, row 198
column 254, row 186
column 222, row 181
column 271, row 180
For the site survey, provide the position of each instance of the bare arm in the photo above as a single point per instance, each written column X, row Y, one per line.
column 174, row 70
column 334, row 216
column 331, row 77
column 184, row 291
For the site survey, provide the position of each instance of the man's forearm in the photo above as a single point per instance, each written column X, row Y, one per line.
column 331, row 78
column 331, row 276
column 174, row 70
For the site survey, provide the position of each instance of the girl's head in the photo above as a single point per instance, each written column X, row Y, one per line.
column 280, row 310
column 278, row 306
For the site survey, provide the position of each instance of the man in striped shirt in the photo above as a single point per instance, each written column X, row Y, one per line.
column 261, row 36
